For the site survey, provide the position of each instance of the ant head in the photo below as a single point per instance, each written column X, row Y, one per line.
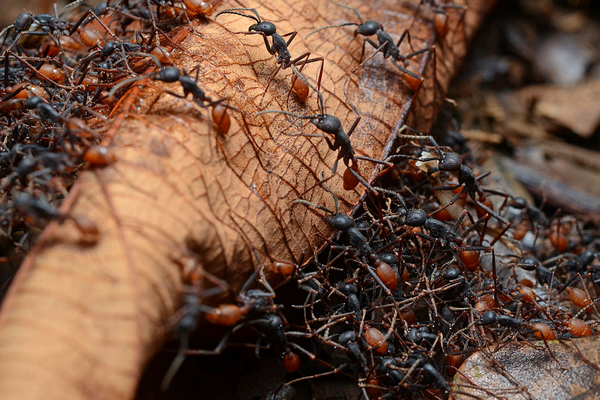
column 488, row 318
column 369, row 28
column 268, row 28
column 519, row 203
column 33, row 102
column 346, row 337
column 450, row 161
column 341, row 222
column 275, row 322
column 23, row 21
column 388, row 258
column 451, row 274
column 168, row 74
column 416, row 217
column 327, row 123
column 348, row 288
column 529, row 263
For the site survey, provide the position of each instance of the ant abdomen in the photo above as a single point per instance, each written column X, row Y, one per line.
column 220, row 117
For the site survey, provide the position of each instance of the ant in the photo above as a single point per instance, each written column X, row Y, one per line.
column 49, row 25
column 189, row 86
column 280, row 47
column 452, row 162
column 384, row 274
column 255, row 308
column 40, row 209
column 332, row 125
column 385, row 44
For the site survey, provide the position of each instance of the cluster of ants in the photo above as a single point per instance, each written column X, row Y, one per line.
column 406, row 289
column 55, row 85
column 417, row 281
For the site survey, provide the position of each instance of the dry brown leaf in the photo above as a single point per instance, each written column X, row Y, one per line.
column 571, row 107
column 81, row 320
column 529, row 371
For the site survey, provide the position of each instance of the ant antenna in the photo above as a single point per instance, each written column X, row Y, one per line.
column 127, row 81
column 283, row 112
column 349, row 8
column 331, row 26
column 348, row 97
column 233, row 11
column 71, row 5
column 340, row 25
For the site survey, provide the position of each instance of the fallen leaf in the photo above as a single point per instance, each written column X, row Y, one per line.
column 564, row 370
column 571, row 107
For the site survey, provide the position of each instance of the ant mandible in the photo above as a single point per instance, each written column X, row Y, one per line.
column 280, row 47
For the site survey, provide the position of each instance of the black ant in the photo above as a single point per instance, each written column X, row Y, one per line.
column 189, row 86
column 49, row 25
column 385, row 44
column 280, row 47
column 341, row 142
column 385, row 275
column 452, row 162
column 343, row 223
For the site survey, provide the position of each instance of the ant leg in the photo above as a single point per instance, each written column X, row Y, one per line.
column 153, row 19
column 383, row 48
column 363, row 181
column 180, row 96
column 292, row 36
column 220, row 347
column 312, row 60
column 405, row 34
column 93, row 16
column 297, row 74
column 271, row 78
column 37, row 72
column 413, row 80
column 334, row 370
column 451, row 202
column 177, row 362
column 189, row 20
column 492, row 213
column 353, row 127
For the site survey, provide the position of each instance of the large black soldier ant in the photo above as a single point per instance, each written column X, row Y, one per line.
column 280, row 47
